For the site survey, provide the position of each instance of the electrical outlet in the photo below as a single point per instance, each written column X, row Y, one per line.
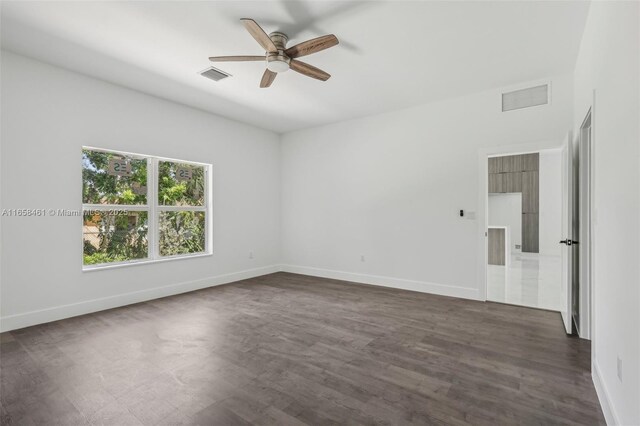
column 362, row 258
column 619, row 368
column 250, row 255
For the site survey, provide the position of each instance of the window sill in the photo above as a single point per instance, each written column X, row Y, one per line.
column 101, row 267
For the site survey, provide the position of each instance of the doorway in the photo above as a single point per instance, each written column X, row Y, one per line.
column 575, row 210
column 524, row 263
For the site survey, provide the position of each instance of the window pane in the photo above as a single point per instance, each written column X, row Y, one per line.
column 181, row 232
column 180, row 184
column 114, row 236
column 110, row 178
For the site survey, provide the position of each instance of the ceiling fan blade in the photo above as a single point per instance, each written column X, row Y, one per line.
column 311, row 46
column 258, row 33
column 308, row 70
column 267, row 78
column 236, row 58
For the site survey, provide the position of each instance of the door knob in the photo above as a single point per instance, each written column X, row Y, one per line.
column 564, row 242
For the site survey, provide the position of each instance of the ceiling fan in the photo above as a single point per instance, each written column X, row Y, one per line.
column 280, row 58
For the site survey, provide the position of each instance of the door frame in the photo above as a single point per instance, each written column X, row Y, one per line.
column 483, row 198
column 590, row 109
column 587, row 334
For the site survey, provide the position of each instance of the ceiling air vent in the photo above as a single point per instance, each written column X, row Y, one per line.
column 214, row 74
column 525, row 98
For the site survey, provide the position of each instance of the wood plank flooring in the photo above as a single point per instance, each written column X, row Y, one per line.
column 288, row 349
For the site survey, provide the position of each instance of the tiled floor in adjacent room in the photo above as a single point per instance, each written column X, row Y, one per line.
column 531, row 279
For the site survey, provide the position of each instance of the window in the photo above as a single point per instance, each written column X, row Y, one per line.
column 138, row 208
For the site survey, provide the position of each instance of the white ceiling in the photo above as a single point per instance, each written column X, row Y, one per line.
column 393, row 54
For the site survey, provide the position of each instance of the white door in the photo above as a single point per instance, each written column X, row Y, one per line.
column 567, row 218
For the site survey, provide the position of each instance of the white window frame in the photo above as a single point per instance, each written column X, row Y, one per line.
column 153, row 209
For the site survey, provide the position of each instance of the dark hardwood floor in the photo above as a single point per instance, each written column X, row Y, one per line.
column 290, row 349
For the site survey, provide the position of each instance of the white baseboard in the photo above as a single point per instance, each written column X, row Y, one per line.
column 13, row 322
column 603, row 396
column 421, row 286
column 27, row 319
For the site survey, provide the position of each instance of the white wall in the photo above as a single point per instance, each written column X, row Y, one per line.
column 608, row 63
column 550, row 208
column 47, row 115
column 506, row 210
column 389, row 187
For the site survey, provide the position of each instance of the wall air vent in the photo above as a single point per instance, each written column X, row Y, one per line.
column 214, row 74
column 525, row 98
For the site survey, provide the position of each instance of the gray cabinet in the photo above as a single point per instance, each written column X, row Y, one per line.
column 512, row 182
column 519, row 173
column 531, row 162
column 512, row 163
column 497, row 255
column 496, row 182
column 505, row 182
column 530, row 233
column 530, row 192
column 495, row 164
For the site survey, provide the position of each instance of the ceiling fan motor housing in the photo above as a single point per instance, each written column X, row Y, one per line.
column 278, row 57
column 279, row 39
column 278, row 61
